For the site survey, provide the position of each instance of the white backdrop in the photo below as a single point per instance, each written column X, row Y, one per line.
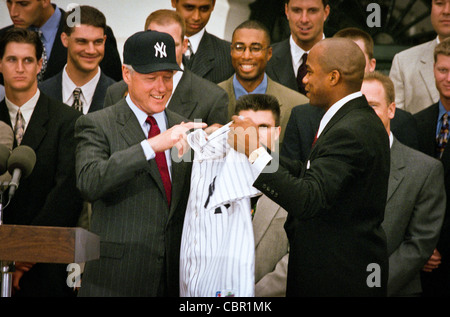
column 126, row 17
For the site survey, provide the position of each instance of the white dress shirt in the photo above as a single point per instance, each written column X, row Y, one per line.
column 26, row 109
column 87, row 90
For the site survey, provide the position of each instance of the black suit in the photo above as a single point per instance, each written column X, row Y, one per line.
column 48, row 196
column 305, row 119
column 52, row 87
column 212, row 60
column 335, row 206
column 111, row 63
column 279, row 67
column 436, row 283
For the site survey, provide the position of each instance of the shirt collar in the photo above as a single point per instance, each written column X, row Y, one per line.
column 141, row 116
column 195, row 40
column 297, row 53
column 334, row 108
column 87, row 90
column 26, row 109
column 239, row 90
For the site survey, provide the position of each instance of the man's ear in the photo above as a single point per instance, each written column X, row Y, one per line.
column 64, row 39
column 334, row 77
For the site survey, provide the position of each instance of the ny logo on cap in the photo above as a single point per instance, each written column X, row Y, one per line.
column 161, row 49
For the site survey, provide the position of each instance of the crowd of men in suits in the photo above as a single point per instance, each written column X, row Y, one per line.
column 362, row 165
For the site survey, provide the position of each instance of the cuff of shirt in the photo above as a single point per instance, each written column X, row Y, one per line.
column 261, row 161
column 148, row 151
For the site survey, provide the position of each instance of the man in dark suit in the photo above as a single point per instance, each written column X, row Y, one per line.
column 193, row 97
column 138, row 189
column 336, row 200
column 304, row 120
column 416, row 198
column 48, row 196
column 207, row 55
column 432, row 123
column 42, row 15
column 306, row 22
column 82, row 76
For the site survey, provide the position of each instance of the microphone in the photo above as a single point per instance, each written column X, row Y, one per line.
column 6, row 144
column 20, row 164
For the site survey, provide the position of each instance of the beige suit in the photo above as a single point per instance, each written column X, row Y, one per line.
column 287, row 98
column 271, row 249
column 413, row 77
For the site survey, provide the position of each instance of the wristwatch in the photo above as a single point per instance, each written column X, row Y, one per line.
column 255, row 154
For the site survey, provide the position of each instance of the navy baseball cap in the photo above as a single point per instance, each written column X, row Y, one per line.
column 150, row 51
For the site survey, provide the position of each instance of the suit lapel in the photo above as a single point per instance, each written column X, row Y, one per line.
column 36, row 129
column 426, row 71
column 99, row 95
column 181, row 102
column 282, row 69
column 396, row 173
column 203, row 60
column 266, row 209
column 132, row 134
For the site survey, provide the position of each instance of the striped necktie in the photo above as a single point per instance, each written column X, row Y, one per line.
column 442, row 138
column 44, row 57
column 19, row 128
column 160, row 159
column 77, row 103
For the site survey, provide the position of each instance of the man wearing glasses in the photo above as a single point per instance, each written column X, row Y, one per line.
column 250, row 52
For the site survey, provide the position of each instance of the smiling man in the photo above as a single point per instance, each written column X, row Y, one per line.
column 125, row 168
column 207, row 55
column 306, row 22
column 81, row 83
column 250, row 53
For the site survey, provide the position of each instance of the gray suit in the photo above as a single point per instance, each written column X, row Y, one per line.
column 193, row 98
column 271, row 249
column 415, row 208
column 413, row 77
column 140, row 234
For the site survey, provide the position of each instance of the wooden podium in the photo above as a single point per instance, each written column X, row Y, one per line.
column 39, row 244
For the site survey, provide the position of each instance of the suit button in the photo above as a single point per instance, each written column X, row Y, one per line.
column 275, row 195
column 264, row 186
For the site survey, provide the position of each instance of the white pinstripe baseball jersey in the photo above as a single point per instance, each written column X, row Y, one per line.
column 217, row 248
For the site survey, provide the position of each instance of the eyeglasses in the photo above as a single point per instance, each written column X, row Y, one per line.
column 254, row 49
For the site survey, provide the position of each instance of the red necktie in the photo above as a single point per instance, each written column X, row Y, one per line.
column 160, row 159
column 315, row 139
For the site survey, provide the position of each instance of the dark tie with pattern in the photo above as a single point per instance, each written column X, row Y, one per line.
column 189, row 52
column 77, row 103
column 443, row 136
column 19, row 127
column 160, row 159
column 301, row 73
column 44, row 57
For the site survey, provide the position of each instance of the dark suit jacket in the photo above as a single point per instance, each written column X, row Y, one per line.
column 212, row 59
column 52, row 87
column 48, row 196
column 305, row 120
column 111, row 63
column 194, row 98
column 140, row 235
column 279, row 67
column 335, row 204
column 426, row 123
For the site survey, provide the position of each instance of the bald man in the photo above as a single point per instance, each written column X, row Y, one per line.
column 336, row 200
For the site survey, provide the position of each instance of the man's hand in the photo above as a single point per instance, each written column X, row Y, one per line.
column 175, row 136
column 243, row 135
column 19, row 270
column 433, row 261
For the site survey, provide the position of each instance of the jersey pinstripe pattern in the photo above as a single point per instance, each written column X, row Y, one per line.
column 217, row 249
